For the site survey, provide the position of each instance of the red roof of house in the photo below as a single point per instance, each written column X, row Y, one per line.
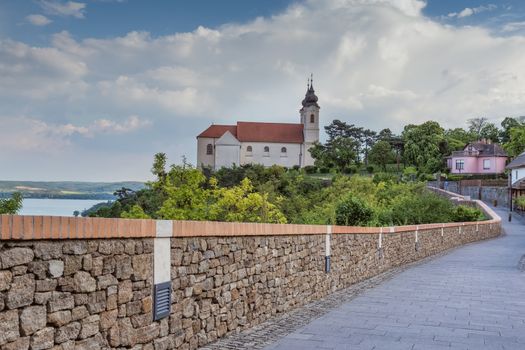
column 259, row 132
column 216, row 131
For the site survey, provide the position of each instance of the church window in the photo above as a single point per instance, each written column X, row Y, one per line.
column 249, row 149
column 266, row 149
column 283, row 150
column 312, row 118
column 209, row 149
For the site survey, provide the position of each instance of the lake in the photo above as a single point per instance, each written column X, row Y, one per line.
column 56, row 207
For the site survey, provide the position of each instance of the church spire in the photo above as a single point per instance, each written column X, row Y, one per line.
column 310, row 98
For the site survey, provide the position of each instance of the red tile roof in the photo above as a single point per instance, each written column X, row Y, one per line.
column 216, row 131
column 259, row 132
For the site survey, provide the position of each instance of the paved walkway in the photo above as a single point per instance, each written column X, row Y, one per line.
column 472, row 298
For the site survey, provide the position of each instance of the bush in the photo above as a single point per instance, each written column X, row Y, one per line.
column 310, row 169
column 520, row 203
column 462, row 213
column 352, row 211
column 385, row 177
column 324, row 170
column 352, row 169
column 426, row 177
column 370, row 169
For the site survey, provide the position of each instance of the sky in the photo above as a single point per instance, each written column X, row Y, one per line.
column 91, row 90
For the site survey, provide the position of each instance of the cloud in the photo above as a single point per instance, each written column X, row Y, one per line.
column 38, row 20
column 468, row 11
column 25, row 134
column 69, row 8
column 513, row 27
column 376, row 64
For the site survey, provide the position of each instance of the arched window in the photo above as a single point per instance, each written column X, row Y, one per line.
column 249, row 149
column 283, row 150
column 312, row 118
column 266, row 149
column 209, row 148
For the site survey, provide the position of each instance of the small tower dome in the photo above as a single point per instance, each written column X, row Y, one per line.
column 310, row 99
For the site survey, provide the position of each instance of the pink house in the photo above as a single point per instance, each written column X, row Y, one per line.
column 481, row 157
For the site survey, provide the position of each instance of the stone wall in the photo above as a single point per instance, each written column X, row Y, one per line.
column 97, row 293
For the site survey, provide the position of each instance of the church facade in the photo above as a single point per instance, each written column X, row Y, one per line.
column 283, row 144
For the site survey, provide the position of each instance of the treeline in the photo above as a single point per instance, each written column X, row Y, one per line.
column 350, row 148
column 253, row 193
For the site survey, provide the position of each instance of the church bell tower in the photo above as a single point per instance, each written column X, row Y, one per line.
column 310, row 120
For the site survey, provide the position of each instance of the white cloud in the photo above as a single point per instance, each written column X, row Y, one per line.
column 38, row 20
column 513, row 27
column 376, row 63
column 69, row 8
column 23, row 134
column 468, row 11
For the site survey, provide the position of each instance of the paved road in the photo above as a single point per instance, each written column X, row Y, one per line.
column 472, row 298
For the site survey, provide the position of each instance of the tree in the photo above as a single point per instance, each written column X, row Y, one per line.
column 381, row 154
column 507, row 124
column 475, row 125
column 159, row 167
column 458, row 138
column 425, row 146
column 76, row 213
column 516, row 144
column 11, row 205
column 490, row 132
column 367, row 140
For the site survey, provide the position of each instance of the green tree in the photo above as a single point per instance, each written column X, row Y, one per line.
column 476, row 125
column 136, row 212
column 11, row 205
column 353, row 211
column 425, row 146
column 516, row 144
column 458, row 138
column 507, row 124
column 381, row 154
column 490, row 132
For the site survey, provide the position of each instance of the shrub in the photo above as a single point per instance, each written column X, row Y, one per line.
column 426, row 177
column 310, row 169
column 324, row 170
column 520, row 203
column 352, row 169
column 352, row 211
column 385, row 177
column 370, row 169
column 462, row 213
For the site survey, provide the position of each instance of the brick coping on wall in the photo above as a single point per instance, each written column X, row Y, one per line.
column 28, row 227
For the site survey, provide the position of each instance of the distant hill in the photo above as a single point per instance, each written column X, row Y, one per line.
column 66, row 189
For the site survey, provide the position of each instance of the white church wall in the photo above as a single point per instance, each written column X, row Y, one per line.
column 204, row 159
column 274, row 156
column 226, row 156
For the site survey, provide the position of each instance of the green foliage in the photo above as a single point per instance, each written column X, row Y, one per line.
column 516, row 144
column 136, row 212
column 425, row 146
column 462, row 213
column 381, row 154
column 353, row 211
column 520, row 202
column 310, row 169
column 11, row 205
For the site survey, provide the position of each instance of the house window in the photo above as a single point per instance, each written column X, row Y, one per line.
column 283, row 150
column 312, row 118
column 266, row 149
column 460, row 164
column 209, row 148
column 486, row 164
column 249, row 149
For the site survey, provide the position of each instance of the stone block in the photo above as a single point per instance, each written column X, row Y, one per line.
column 56, row 268
column 75, row 247
column 84, row 283
column 72, row 264
column 48, row 250
column 90, row 326
column 59, row 318
column 32, row 319
column 43, row 339
column 125, row 292
column 5, row 280
column 96, row 302
column 108, row 319
column 16, row 256
column 67, row 332
column 47, row 285
column 22, row 292
column 79, row 313
column 19, row 344
column 104, row 281
column 142, row 267
column 60, row 301
column 9, row 330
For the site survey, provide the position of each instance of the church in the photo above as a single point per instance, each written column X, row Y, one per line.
column 283, row 144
